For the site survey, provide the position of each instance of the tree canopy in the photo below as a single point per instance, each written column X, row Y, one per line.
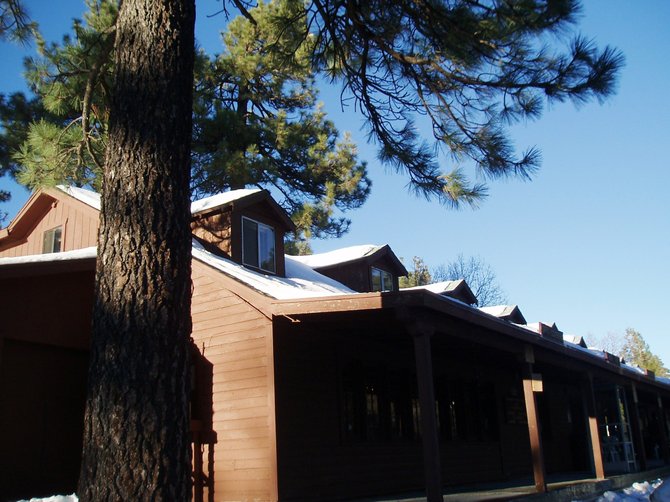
column 465, row 70
column 636, row 351
column 468, row 67
column 257, row 121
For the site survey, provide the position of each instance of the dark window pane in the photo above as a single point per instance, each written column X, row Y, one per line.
column 376, row 279
column 250, row 242
column 266, row 242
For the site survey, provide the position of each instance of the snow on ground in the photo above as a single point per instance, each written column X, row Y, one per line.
column 635, row 493
column 55, row 498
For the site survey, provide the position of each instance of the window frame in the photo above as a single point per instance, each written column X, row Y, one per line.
column 273, row 250
column 382, row 282
column 49, row 237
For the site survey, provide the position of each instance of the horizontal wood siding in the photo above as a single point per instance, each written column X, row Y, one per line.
column 79, row 223
column 236, row 339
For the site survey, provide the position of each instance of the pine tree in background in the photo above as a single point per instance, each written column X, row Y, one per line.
column 15, row 23
column 256, row 120
column 636, row 351
column 468, row 68
column 15, row 110
column 418, row 275
column 73, row 82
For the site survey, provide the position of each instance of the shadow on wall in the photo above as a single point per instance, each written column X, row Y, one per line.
column 203, row 436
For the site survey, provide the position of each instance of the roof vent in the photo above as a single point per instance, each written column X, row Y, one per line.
column 612, row 359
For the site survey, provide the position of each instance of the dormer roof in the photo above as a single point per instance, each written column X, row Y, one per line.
column 366, row 253
column 240, row 199
column 458, row 290
column 510, row 313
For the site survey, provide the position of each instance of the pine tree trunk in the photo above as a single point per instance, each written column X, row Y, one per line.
column 136, row 439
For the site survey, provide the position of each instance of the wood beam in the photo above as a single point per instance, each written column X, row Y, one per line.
column 421, row 334
column 539, row 471
column 665, row 451
column 636, row 424
column 593, row 430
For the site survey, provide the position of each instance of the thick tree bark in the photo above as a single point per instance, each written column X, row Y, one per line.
column 136, row 439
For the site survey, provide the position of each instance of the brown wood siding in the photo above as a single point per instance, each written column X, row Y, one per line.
column 216, row 230
column 78, row 220
column 237, row 340
column 355, row 275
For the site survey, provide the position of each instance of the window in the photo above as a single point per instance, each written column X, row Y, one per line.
column 52, row 240
column 381, row 280
column 258, row 245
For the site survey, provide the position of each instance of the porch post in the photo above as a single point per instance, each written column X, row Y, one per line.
column 421, row 333
column 637, row 428
column 539, row 472
column 594, row 432
column 662, row 427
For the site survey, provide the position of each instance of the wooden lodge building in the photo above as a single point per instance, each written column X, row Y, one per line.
column 316, row 378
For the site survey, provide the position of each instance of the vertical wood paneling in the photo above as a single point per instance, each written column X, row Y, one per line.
column 79, row 222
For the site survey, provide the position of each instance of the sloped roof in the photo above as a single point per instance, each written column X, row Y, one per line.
column 300, row 282
column 208, row 203
column 458, row 289
column 76, row 254
column 510, row 313
column 93, row 198
column 575, row 339
column 82, row 194
column 338, row 256
column 351, row 254
column 221, row 199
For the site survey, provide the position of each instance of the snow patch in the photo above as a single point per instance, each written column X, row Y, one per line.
column 634, row 493
column 77, row 254
column 55, row 498
column 93, row 198
column 300, row 281
column 337, row 256
column 221, row 199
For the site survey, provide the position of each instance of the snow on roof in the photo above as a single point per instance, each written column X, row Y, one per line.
column 221, row 199
column 82, row 194
column 93, row 198
column 439, row 287
column 337, row 256
column 77, row 254
column 300, row 281
column 498, row 310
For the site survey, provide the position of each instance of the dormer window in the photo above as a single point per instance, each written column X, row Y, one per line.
column 381, row 280
column 51, row 242
column 258, row 245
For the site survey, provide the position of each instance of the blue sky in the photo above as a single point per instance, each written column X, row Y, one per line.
column 585, row 244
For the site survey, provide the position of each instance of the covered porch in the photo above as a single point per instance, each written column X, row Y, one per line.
column 410, row 392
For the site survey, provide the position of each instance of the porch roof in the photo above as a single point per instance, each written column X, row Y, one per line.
column 450, row 316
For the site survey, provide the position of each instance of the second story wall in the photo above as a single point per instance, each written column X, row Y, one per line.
column 45, row 214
